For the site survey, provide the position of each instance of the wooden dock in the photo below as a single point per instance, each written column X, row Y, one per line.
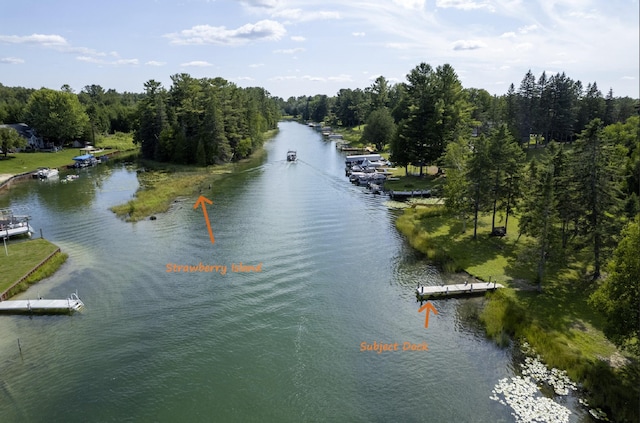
column 41, row 306
column 455, row 290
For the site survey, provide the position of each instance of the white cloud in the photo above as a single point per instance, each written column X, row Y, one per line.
column 528, row 28
column 509, row 34
column 341, row 78
column 410, row 4
column 290, row 50
column 196, row 64
column 245, row 78
column 256, row 65
column 299, row 15
column 284, row 78
column 298, row 38
column 266, row 4
column 468, row 45
column 11, row 60
column 464, row 4
column 98, row 61
column 205, row 34
column 125, row 62
column 358, row 34
column 629, row 78
column 313, row 78
column 155, row 63
column 46, row 40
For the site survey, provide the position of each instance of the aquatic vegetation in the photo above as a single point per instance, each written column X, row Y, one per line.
column 523, row 395
column 527, row 402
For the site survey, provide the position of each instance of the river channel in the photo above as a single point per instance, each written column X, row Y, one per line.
column 282, row 344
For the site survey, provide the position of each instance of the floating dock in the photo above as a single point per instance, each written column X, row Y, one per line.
column 40, row 306
column 403, row 195
column 455, row 290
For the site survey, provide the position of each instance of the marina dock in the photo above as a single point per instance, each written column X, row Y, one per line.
column 455, row 290
column 41, row 306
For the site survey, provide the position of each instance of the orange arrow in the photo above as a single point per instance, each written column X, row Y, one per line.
column 201, row 201
column 429, row 307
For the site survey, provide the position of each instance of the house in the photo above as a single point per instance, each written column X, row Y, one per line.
column 24, row 130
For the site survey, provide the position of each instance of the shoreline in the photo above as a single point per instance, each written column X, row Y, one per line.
column 547, row 321
column 156, row 197
column 38, row 259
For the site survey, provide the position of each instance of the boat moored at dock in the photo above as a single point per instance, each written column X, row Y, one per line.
column 12, row 225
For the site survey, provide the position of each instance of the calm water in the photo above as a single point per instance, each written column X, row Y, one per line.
column 280, row 345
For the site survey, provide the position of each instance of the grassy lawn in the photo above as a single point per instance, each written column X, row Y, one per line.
column 413, row 181
column 23, row 256
column 26, row 162
column 558, row 323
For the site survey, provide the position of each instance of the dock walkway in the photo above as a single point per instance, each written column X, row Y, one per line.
column 40, row 306
column 460, row 289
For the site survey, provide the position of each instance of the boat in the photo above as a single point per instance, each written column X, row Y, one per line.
column 70, row 178
column 46, row 173
column 11, row 225
column 292, row 156
column 85, row 160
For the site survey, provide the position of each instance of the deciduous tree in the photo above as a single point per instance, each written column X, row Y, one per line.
column 56, row 115
column 9, row 138
column 619, row 294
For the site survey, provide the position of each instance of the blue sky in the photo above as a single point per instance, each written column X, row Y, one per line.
column 293, row 47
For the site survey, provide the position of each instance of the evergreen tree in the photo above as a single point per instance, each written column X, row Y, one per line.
column 506, row 160
column 539, row 212
column 480, row 181
column 597, row 172
column 457, row 189
column 152, row 119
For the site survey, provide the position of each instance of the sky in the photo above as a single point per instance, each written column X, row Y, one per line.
column 296, row 47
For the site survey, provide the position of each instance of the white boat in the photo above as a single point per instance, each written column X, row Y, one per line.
column 15, row 229
column 292, row 156
column 47, row 173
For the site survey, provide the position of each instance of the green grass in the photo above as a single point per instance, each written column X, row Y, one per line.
column 26, row 162
column 16, row 163
column 23, row 257
column 119, row 141
column 558, row 323
column 162, row 183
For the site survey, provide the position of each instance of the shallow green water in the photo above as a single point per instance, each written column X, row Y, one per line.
column 279, row 345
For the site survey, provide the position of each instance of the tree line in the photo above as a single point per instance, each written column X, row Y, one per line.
column 196, row 121
column 203, row 121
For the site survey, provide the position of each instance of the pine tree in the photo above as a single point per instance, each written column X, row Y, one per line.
column 597, row 172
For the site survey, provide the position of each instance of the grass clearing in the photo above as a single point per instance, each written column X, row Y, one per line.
column 120, row 141
column 23, row 257
column 16, row 163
